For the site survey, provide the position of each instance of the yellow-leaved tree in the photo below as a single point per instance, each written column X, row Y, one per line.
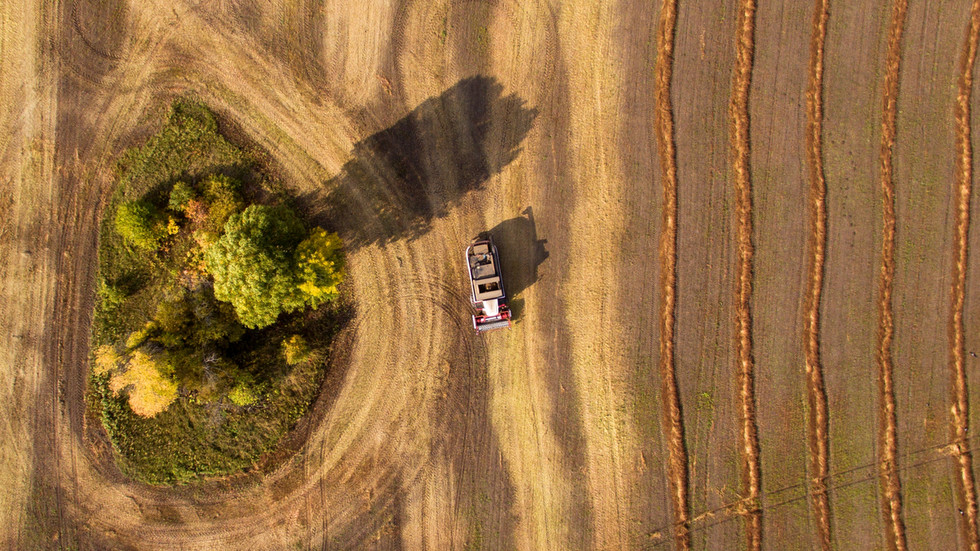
column 320, row 266
column 146, row 378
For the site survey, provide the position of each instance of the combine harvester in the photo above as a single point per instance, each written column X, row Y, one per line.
column 486, row 286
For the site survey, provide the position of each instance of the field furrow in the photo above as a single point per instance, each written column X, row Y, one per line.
column 673, row 424
column 817, row 421
column 888, row 430
column 739, row 128
column 959, row 409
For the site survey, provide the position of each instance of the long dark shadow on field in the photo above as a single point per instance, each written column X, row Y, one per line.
column 466, row 440
column 403, row 177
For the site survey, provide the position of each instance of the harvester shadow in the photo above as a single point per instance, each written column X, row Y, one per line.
column 521, row 252
column 401, row 178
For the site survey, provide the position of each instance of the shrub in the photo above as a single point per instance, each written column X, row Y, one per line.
column 137, row 338
column 222, row 197
column 147, row 378
column 107, row 358
column 196, row 211
column 214, row 322
column 172, row 317
column 181, row 194
column 138, row 223
column 111, row 297
column 172, row 227
column 296, row 350
column 243, row 395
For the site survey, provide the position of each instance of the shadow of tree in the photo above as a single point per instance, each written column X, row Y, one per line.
column 401, row 178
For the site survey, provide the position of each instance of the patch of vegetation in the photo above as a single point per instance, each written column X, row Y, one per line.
column 209, row 343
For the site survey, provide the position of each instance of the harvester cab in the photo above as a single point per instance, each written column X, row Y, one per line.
column 486, row 286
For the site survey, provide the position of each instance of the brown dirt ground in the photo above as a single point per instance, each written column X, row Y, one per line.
column 780, row 189
column 411, row 126
column 925, row 211
column 852, row 114
column 966, row 490
column 971, row 306
column 705, row 264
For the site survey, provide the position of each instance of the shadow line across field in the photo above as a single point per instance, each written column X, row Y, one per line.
column 403, row 177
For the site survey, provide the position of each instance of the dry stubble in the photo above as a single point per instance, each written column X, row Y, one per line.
column 816, row 394
column 888, row 453
column 748, row 435
column 27, row 94
column 960, row 407
column 673, row 423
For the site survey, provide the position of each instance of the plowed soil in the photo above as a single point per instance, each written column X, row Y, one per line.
column 410, row 127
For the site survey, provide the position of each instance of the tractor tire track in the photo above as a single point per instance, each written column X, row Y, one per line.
column 739, row 116
column 887, row 427
column 673, row 422
column 960, row 406
column 817, row 422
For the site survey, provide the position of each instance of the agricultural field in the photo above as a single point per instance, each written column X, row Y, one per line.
column 736, row 240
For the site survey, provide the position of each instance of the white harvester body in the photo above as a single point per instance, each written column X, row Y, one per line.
column 486, row 286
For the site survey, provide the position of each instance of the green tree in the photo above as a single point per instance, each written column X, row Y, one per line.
column 138, row 222
column 253, row 267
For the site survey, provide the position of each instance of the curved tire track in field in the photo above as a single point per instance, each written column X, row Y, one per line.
column 887, row 430
column 673, row 422
column 817, row 421
column 739, row 116
column 960, row 407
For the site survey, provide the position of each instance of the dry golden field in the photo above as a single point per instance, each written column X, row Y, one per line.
column 736, row 236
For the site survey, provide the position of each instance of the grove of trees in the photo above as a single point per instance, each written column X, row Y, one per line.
column 242, row 267
column 214, row 307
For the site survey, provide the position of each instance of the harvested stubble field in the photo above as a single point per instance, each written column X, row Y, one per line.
column 720, row 343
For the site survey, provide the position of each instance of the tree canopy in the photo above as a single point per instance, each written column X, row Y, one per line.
column 183, row 388
column 146, row 377
column 263, row 265
column 319, row 266
column 138, row 222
